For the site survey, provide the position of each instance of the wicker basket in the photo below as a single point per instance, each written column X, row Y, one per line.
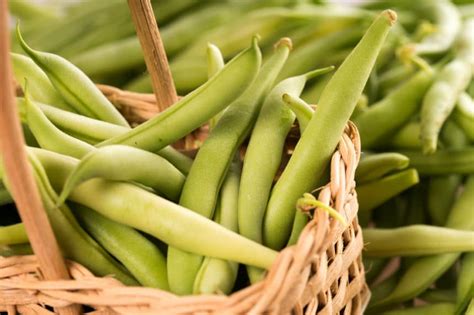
column 322, row 274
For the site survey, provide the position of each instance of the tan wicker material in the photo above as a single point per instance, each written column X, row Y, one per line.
column 322, row 274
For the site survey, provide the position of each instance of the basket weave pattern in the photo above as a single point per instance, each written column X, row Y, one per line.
column 322, row 274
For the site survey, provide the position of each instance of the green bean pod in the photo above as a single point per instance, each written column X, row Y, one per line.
column 312, row 154
column 465, row 284
column 75, row 87
column 375, row 166
column 463, row 114
column 439, row 296
column 139, row 255
column 49, row 136
column 407, row 138
column 417, row 240
column 449, row 161
column 217, row 275
column 73, row 240
column 470, row 308
column 375, row 193
column 465, row 43
column 197, row 107
column 13, row 234
column 124, row 163
column 40, row 88
column 440, row 100
column 263, row 157
column 424, row 271
column 448, row 23
column 384, row 288
column 210, row 166
column 428, row 309
column 302, row 110
column 93, row 131
column 5, row 197
column 385, row 117
column 133, row 206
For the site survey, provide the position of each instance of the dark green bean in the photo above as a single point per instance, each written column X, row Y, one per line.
column 15, row 250
column 465, row 284
column 375, row 193
column 450, row 161
column 13, row 234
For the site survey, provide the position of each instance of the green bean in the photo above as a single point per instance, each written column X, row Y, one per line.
column 384, row 288
column 470, row 308
column 375, row 193
column 463, row 114
column 312, row 154
column 448, row 23
column 139, row 255
column 93, row 131
column 373, row 267
column 395, row 75
column 374, row 166
column 313, row 93
column 424, row 271
column 197, row 107
column 133, row 206
column 263, row 157
column 40, row 87
column 442, row 190
column 124, row 163
column 417, row 240
column 50, row 137
column 306, row 57
column 26, row 10
column 13, row 234
column 74, row 242
column 388, row 115
column 440, row 100
column 465, row 283
column 15, row 250
column 429, row 309
column 216, row 275
column 407, row 138
column 215, row 63
column 207, row 173
column 302, row 110
column 449, row 161
column 439, row 296
column 75, row 87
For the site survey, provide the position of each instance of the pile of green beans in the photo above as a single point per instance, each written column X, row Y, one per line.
column 205, row 220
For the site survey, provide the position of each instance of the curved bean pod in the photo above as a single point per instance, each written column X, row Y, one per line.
column 197, row 107
column 215, row 63
column 440, row 100
column 374, row 166
column 424, row 271
column 407, row 138
column 375, row 193
column 449, row 161
column 210, row 166
column 49, row 136
column 124, row 163
column 385, row 117
column 313, row 151
column 76, row 88
column 139, row 255
column 40, row 87
column 302, row 110
column 217, row 275
column 417, row 240
column 13, row 234
column 448, row 23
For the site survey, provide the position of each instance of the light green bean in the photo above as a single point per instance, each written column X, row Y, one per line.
column 13, row 234
column 375, row 166
column 302, row 110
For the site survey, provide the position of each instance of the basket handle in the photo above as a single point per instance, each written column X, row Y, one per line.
column 21, row 180
column 154, row 53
